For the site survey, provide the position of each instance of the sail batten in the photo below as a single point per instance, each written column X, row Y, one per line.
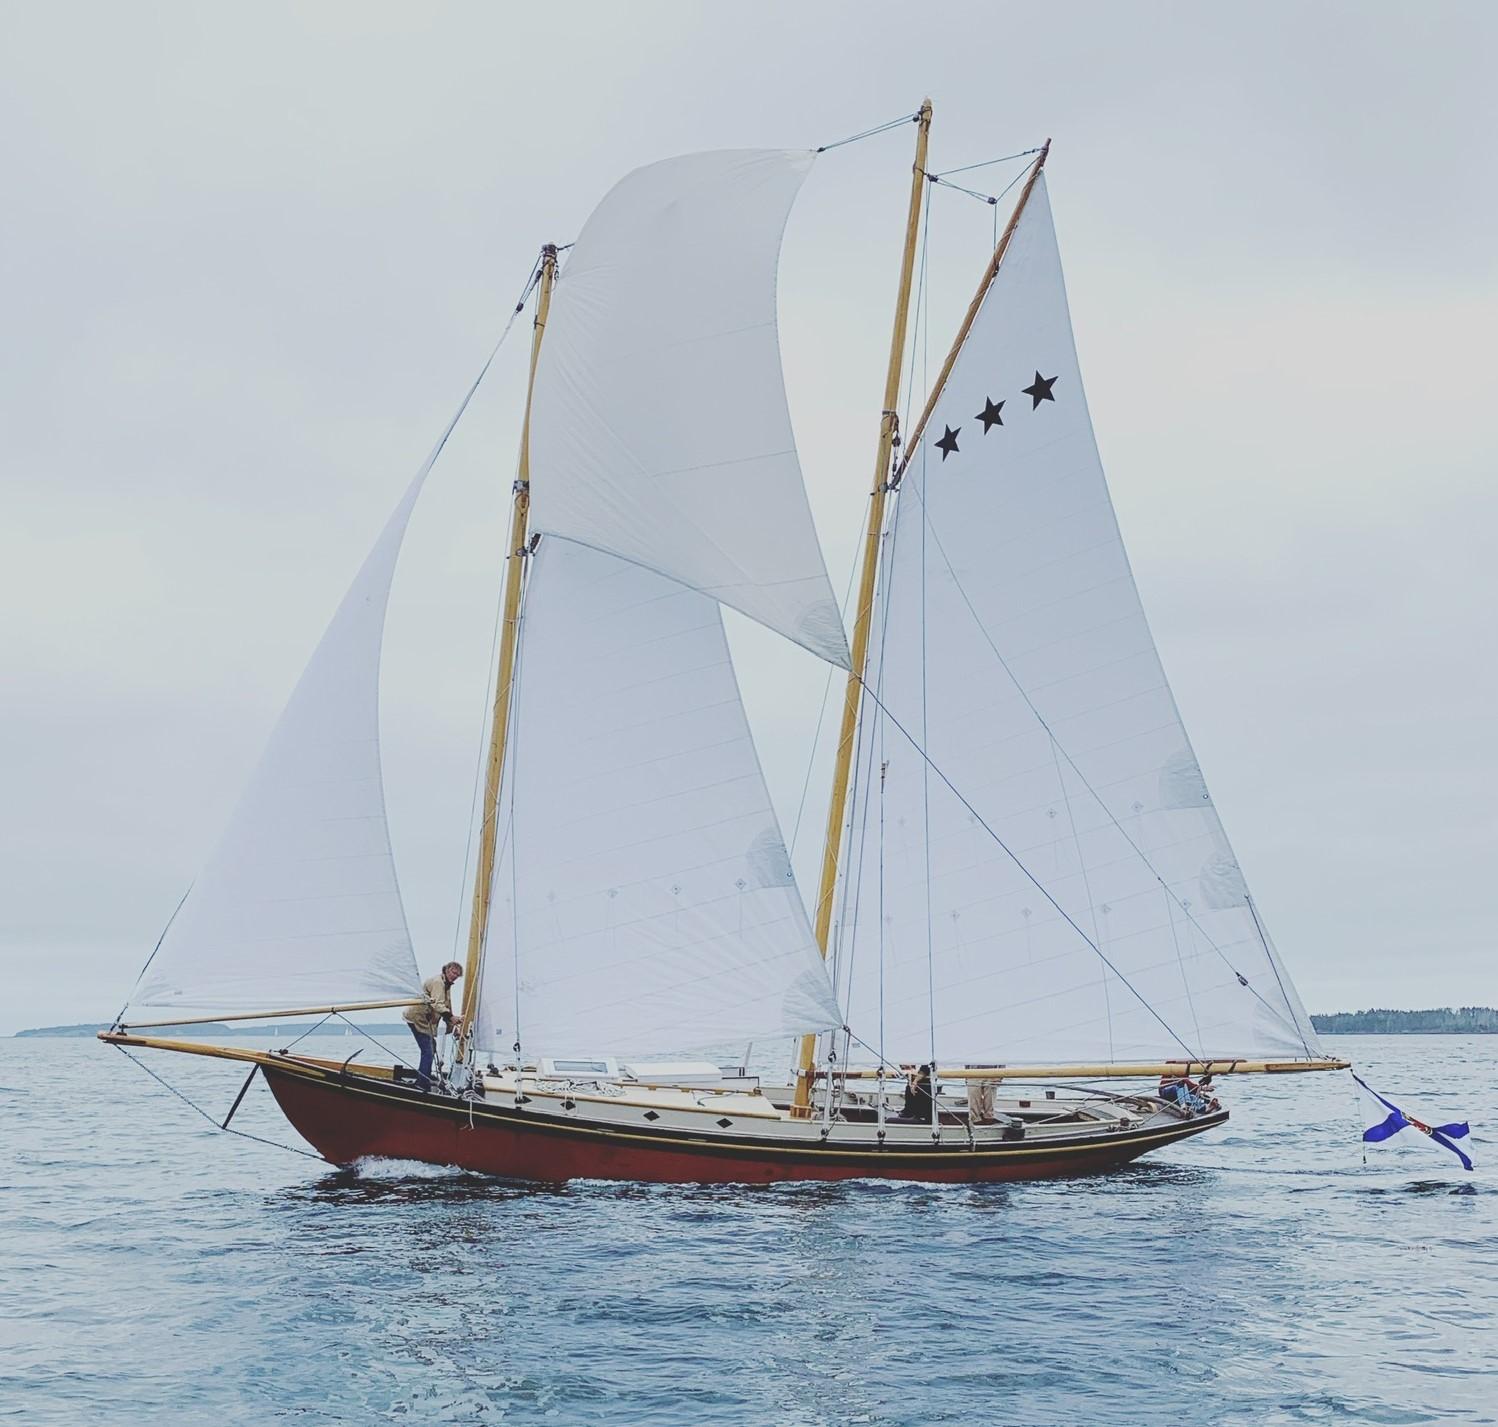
column 1082, row 900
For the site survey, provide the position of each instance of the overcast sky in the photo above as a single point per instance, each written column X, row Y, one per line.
column 252, row 256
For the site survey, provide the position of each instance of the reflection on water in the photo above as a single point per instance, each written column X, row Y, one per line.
column 1263, row 1274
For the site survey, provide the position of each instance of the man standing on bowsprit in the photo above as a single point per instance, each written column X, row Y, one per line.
column 426, row 1015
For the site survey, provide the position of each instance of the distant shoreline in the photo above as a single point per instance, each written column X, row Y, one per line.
column 1442, row 1021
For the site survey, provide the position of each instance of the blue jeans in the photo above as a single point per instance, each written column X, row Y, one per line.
column 428, row 1046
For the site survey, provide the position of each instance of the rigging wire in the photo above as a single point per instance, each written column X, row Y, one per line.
column 243, row 1134
column 1058, row 747
column 182, row 902
column 1029, row 876
column 369, row 1036
column 869, row 133
column 992, row 199
column 987, row 163
column 827, row 688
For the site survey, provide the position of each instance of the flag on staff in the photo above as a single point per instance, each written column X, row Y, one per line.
column 1390, row 1119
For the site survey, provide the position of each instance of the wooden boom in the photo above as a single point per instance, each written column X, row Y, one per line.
column 272, row 1015
column 1118, row 1070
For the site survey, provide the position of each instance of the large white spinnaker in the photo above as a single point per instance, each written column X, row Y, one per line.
column 298, row 904
column 660, row 430
column 1113, row 923
column 643, row 899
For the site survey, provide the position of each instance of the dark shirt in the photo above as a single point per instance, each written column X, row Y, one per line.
column 917, row 1100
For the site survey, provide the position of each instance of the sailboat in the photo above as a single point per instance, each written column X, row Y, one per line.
column 1026, row 893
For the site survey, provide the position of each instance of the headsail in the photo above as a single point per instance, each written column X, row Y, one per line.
column 298, row 905
column 660, row 430
column 1051, row 881
column 643, row 881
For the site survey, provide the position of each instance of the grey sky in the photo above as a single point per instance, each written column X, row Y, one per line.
column 253, row 255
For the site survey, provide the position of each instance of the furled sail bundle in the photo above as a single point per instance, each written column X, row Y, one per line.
column 298, row 904
column 1035, row 871
column 660, row 430
column 644, row 898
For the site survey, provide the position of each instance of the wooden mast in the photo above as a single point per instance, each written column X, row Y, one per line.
column 499, row 729
column 883, row 484
column 864, row 610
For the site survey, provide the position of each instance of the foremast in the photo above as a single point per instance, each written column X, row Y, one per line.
column 509, row 640
column 886, row 478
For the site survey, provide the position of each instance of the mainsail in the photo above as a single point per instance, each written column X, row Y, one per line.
column 660, row 430
column 643, row 899
column 298, row 904
column 1035, row 870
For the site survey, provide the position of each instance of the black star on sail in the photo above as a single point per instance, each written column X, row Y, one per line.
column 1040, row 390
column 989, row 416
column 948, row 443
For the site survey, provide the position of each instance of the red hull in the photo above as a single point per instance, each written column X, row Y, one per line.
column 347, row 1118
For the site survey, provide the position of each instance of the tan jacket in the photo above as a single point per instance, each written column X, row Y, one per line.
column 438, row 1004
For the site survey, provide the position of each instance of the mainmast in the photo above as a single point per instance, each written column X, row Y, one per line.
column 499, row 728
column 864, row 616
column 884, row 482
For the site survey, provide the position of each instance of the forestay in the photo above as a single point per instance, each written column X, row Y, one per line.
column 643, row 899
column 1011, row 644
column 660, row 430
column 298, row 904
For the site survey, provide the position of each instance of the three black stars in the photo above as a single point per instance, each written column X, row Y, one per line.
column 992, row 414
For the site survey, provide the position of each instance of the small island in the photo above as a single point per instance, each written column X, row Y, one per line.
column 1442, row 1021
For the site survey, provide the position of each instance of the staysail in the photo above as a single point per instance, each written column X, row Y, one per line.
column 298, row 904
column 643, row 898
column 660, row 429
column 1050, row 881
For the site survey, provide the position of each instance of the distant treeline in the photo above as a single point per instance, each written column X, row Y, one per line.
column 1444, row 1020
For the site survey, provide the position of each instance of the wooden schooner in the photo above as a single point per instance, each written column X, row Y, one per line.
column 1025, row 884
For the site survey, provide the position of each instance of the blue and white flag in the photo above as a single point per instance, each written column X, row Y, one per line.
column 1390, row 1120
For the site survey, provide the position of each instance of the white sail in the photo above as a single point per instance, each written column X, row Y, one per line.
column 643, row 899
column 1113, row 922
column 660, row 430
column 298, row 904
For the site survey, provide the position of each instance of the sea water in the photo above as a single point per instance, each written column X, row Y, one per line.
column 155, row 1271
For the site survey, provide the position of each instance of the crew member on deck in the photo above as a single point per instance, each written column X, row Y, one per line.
column 424, row 1017
column 918, row 1101
column 1191, row 1095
